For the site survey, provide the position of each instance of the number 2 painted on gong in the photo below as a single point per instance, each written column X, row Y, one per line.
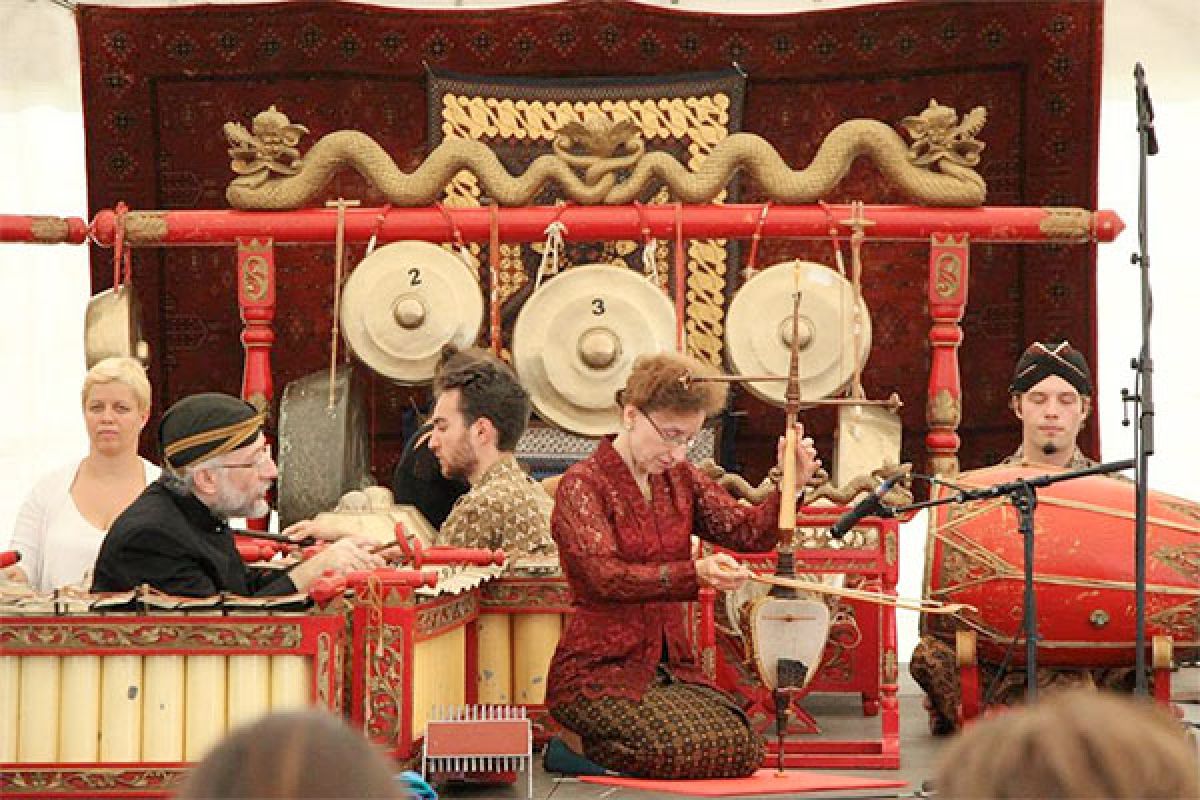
column 597, row 306
column 414, row 276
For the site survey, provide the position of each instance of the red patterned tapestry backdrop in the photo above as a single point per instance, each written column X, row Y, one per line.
column 159, row 83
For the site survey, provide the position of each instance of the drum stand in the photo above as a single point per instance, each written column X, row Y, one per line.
column 1023, row 496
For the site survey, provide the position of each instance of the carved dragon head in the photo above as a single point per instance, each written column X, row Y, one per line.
column 599, row 136
column 937, row 134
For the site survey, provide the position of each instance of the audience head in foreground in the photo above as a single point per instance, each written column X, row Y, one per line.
column 1077, row 743
column 295, row 754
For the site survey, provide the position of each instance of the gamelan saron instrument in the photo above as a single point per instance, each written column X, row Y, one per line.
column 85, row 689
column 1083, row 565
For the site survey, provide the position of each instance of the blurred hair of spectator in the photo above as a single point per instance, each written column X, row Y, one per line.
column 1078, row 743
column 294, row 754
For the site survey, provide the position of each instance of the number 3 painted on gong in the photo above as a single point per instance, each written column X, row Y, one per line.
column 597, row 306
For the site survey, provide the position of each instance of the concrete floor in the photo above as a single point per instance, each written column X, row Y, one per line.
column 840, row 716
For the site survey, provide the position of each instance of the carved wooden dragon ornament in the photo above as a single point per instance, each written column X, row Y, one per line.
column 599, row 161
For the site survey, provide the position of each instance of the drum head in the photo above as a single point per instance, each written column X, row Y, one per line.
column 403, row 303
column 758, row 330
column 576, row 339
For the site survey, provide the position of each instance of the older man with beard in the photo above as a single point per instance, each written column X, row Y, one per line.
column 176, row 537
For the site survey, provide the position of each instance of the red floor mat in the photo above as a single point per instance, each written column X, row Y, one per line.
column 765, row 781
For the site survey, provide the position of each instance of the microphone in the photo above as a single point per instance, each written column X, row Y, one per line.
column 1145, row 109
column 870, row 505
column 9, row 557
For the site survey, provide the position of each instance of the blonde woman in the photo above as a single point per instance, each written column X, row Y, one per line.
column 67, row 514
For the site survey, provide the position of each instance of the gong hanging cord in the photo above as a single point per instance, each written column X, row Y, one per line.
column 339, row 248
column 551, row 252
column 649, row 246
column 494, row 333
column 856, row 242
column 122, row 266
column 460, row 244
column 680, row 281
column 751, row 268
column 380, row 219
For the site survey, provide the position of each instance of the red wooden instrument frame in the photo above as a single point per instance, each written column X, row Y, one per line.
column 872, row 666
column 321, row 637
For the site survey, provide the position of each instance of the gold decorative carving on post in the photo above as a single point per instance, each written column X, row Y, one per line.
column 890, row 548
column 255, row 278
column 321, row 674
column 944, row 410
column 145, row 227
column 889, row 666
column 946, row 466
column 948, row 274
column 1066, row 223
column 48, row 229
column 383, row 700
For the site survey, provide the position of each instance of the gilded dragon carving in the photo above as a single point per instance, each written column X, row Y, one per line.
column 595, row 161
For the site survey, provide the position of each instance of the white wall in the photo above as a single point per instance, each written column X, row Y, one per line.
column 44, row 288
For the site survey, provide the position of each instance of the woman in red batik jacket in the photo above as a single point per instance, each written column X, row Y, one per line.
column 624, row 681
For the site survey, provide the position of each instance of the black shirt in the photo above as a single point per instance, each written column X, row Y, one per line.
column 418, row 480
column 174, row 543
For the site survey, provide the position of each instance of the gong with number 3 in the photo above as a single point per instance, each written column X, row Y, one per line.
column 576, row 339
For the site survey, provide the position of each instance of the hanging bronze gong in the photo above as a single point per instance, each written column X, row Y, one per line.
column 576, row 338
column 835, row 330
column 324, row 450
column 112, row 327
column 403, row 303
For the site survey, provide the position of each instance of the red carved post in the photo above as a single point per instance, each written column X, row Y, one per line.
column 889, row 532
column 949, row 258
column 256, row 302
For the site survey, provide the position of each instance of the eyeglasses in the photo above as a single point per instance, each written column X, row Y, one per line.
column 673, row 439
column 260, row 460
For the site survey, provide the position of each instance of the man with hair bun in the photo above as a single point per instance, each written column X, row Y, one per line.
column 176, row 537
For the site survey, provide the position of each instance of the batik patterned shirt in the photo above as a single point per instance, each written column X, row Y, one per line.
column 1078, row 459
column 505, row 510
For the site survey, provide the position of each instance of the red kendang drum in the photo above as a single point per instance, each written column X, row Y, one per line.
column 1083, row 569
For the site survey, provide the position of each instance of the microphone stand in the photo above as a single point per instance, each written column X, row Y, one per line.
column 1143, row 366
column 1023, row 496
